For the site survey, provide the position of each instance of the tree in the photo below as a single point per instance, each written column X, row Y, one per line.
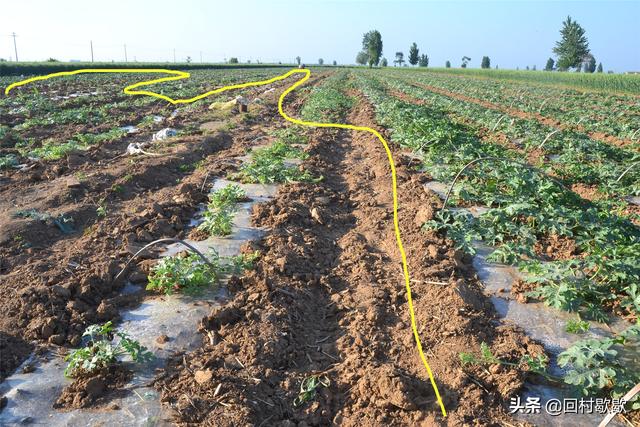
column 320, row 61
column 52, row 60
column 527, row 68
column 233, row 60
column 188, row 59
column 550, row 64
column 413, row 54
column 372, row 45
column 465, row 61
column 399, row 59
column 572, row 47
column 447, row 64
column 423, row 61
column 589, row 64
column 486, row 62
column 533, row 68
column 362, row 58
column 298, row 60
column 383, row 62
column 599, row 70
column 335, row 62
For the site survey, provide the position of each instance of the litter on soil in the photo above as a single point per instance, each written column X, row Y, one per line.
column 164, row 134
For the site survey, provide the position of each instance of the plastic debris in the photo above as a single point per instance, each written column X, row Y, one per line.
column 134, row 148
column 138, row 148
column 158, row 119
column 130, row 129
column 164, row 134
column 218, row 105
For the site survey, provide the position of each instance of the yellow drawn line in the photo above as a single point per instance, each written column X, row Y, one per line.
column 178, row 75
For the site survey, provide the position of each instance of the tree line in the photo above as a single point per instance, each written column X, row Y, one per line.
column 572, row 51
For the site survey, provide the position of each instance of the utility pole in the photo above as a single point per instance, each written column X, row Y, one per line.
column 125, row 53
column 91, row 43
column 14, row 45
column 201, row 57
column 174, row 55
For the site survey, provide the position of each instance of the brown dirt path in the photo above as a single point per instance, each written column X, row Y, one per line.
column 327, row 298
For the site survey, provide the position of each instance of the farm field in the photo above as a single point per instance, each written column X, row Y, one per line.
column 308, row 324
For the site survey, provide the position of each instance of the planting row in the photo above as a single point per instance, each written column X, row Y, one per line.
column 527, row 211
column 569, row 156
column 606, row 113
column 618, row 83
column 49, row 119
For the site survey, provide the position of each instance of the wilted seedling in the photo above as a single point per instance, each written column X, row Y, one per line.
column 101, row 210
column 309, row 388
column 8, row 161
column 537, row 365
column 101, row 351
column 66, row 224
column 117, row 188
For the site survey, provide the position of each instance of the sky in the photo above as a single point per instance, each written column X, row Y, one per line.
column 512, row 33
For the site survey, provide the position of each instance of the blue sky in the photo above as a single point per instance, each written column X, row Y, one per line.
column 512, row 33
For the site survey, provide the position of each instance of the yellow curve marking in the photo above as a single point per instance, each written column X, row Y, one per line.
column 178, row 75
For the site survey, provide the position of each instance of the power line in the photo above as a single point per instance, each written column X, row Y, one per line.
column 15, row 47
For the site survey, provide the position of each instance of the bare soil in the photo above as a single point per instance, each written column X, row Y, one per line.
column 327, row 299
column 95, row 390
column 52, row 284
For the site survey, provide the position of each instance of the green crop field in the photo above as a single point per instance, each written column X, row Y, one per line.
column 266, row 239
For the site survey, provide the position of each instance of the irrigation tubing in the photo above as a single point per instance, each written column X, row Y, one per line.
column 446, row 199
column 627, row 170
column 165, row 240
column 627, row 397
column 548, row 136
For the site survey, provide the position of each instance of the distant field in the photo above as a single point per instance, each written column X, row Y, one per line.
column 627, row 83
column 18, row 68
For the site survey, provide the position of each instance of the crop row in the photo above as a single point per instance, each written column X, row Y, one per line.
column 623, row 83
column 610, row 114
column 569, row 155
column 29, row 68
column 41, row 123
column 524, row 207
